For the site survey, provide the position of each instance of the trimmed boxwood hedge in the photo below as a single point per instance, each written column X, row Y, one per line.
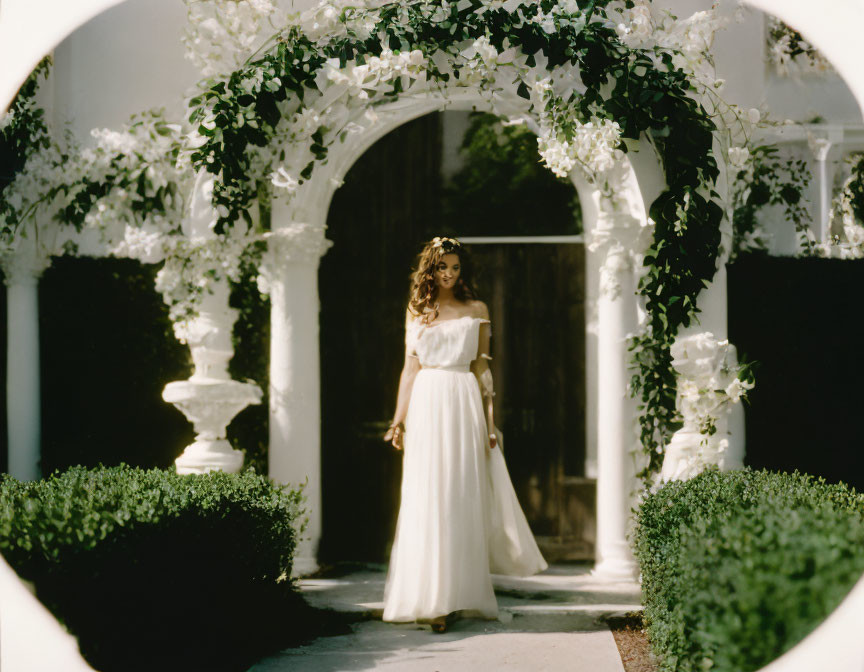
column 738, row 567
column 152, row 570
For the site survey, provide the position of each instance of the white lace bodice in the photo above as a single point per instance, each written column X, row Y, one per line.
column 447, row 344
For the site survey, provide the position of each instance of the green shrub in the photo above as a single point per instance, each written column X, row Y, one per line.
column 157, row 571
column 738, row 567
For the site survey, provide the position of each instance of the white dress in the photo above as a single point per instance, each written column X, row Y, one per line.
column 459, row 519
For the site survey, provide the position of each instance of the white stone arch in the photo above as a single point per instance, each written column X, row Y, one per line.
column 291, row 265
column 30, row 29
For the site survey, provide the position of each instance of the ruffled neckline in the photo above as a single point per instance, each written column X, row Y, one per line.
column 455, row 319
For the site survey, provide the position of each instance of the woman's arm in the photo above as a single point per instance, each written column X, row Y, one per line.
column 406, row 383
column 480, row 368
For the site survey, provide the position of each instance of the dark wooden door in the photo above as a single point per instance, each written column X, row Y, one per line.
column 389, row 204
column 378, row 218
column 535, row 293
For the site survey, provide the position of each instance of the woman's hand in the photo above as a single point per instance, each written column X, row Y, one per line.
column 395, row 435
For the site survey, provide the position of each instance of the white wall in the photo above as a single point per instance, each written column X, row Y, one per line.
column 751, row 81
column 126, row 60
column 130, row 58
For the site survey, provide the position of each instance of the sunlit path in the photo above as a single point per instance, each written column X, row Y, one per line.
column 550, row 621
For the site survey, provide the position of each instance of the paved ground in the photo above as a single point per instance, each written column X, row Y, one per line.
column 546, row 622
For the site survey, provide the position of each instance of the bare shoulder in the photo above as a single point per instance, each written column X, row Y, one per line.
column 480, row 309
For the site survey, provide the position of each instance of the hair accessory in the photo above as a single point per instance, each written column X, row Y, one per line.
column 438, row 241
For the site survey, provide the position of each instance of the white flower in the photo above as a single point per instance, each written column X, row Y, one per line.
column 144, row 243
column 485, row 50
column 282, row 179
column 637, row 29
column 738, row 156
column 735, row 390
column 263, row 283
column 754, row 115
column 540, row 86
column 593, row 146
column 854, row 233
column 305, row 123
column 6, row 118
column 115, row 142
column 195, row 139
column 556, row 155
column 220, row 34
column 707, row 386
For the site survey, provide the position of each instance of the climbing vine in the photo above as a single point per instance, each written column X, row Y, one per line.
column 23, row 133
column 247, row 120
column 766, row 179
column 790, row 53
column 847, row 209
column 594, row 77
column 854, row 187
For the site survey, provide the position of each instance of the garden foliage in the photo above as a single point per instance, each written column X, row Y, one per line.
column 642, row 91
column 155, row 570
column 768, row 179
column 321, row 76
column 738, row 567
column 502, row 159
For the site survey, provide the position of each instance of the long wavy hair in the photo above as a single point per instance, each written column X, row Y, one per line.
column 423, row 297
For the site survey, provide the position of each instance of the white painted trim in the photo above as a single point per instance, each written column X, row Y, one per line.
column 837, row 133
column 495, row 240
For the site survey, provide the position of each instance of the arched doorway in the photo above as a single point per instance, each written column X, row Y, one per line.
column 298, row 241
column 394, row 197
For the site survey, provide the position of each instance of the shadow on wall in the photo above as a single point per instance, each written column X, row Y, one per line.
column 107, row 351
column 801, row 320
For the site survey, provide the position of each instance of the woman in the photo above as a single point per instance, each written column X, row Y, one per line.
column 459, row 517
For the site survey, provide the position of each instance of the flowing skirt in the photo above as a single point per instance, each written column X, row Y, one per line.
column 459, row 516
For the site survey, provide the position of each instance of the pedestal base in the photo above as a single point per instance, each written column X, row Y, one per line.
column 304, row 566
column 203, row 456
column 616, row 569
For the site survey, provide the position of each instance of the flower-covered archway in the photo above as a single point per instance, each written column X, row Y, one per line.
column 290, row 276
column 600, row 83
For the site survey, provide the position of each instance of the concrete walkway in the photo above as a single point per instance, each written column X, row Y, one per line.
column 546, row 622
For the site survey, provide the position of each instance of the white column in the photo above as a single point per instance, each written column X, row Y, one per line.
column 291, row 271
column 592, row 282
column 822, row 149
column 616, row 481
column 825, row 170
column 23, row 401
